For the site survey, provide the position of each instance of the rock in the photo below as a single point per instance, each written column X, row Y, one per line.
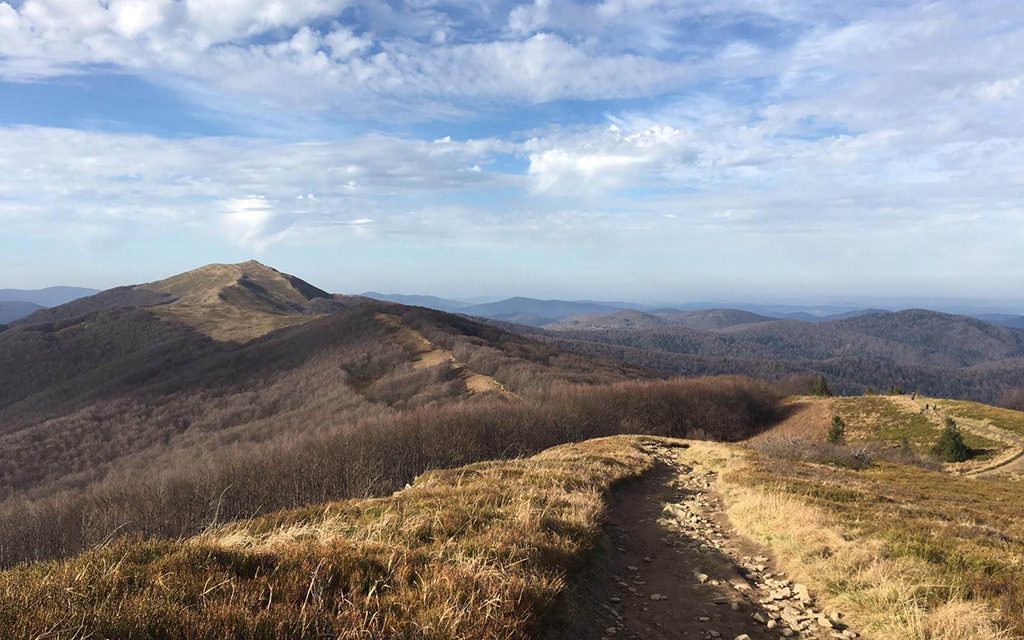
column 657, row 596
column 802, row 593
column 742, row 637
column 702, row 577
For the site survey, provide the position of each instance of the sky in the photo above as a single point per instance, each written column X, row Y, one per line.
column 617, row 149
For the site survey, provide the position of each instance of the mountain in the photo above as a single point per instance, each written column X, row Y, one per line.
column 711, row 319
column 1003, row 320
column 534, row 312
column 16, row 310
column 853, row 314
column 625, row 319
column 430, row 302
column 631, row 319
column 227, row 369
column 49, row 297
column 942, row 354
column 225, row 301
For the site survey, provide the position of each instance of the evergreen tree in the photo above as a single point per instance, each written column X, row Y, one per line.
column 837, row 430
column 950, row 447
column 820, row 387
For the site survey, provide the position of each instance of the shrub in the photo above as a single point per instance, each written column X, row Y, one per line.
column 804, row 450
column 837, row 431
column 821, row 387
column 950, row 447
column 183, row 491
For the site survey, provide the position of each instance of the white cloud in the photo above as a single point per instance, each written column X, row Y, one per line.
column 764, row 118
column 250, row 223
column 597, row 162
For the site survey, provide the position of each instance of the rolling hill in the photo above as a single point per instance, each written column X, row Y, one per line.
column 530, row 311
column 11, row 311
column 430, row 302
column 637, row 536
column 233, row 451
column 631, row 319
column 940, row 354
column 48, row 297
column 197, row 386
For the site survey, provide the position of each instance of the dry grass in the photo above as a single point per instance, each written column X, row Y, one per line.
column 475, row 552
column 883, row 421
column 1007, row 419
column 427, row 355
column 905, row 553
column 232, row 302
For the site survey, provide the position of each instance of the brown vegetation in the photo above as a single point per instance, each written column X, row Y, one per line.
column 175, row 491
column 474, row 553
column 904, row 551
column 939, row 354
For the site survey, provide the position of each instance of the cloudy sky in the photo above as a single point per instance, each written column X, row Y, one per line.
column 651, row 150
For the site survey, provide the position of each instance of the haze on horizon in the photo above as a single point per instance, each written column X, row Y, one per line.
column 641, row 151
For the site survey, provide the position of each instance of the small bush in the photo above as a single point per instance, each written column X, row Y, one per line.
column 821, row 387
column 950, row 447
column 803, row 450
column 837, row 431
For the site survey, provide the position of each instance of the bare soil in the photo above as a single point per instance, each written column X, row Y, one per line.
column 670, row 566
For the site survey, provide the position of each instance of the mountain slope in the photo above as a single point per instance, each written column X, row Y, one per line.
column 228, row 302
column 711, row 319
column 190, row 377
column 534, row 312
column 237, row 302
column 628, row 319
column 939, row 354
column 430, row 302
column 16, row 310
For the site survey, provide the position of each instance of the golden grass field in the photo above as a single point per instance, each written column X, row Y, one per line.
column 484, row 551
column 908, row 552
column 476, row 552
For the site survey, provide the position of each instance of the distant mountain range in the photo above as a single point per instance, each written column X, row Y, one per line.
column 565, row 314
column 15, row 304
column 48, row 297
column 430, row 302
column 938, row 353
column 16, row 309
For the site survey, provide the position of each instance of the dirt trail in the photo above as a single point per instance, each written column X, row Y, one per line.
column 671, row 566
column 1011, row 461
column 427, row 354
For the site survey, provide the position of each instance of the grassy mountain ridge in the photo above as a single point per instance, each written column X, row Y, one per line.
column 128, row 395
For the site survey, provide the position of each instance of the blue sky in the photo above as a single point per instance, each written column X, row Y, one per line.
column 618, row 149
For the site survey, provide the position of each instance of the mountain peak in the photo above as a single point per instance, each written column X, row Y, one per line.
column 236, row 301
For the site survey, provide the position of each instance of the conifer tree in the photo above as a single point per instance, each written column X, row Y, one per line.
column 820, row 387
column 950, row 447
column 837, row 430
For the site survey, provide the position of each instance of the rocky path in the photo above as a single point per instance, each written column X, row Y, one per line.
column 671, row 566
